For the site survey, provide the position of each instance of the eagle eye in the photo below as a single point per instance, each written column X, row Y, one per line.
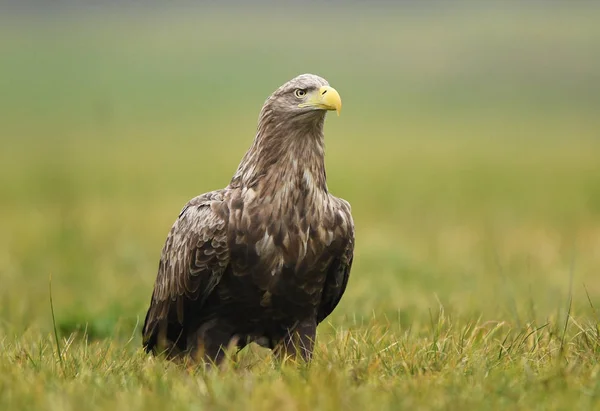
column 300, row 93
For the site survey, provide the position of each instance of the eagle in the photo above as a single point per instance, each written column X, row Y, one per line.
column 268, row 257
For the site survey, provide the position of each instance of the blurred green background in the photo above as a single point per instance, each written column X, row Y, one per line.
column 469, row 148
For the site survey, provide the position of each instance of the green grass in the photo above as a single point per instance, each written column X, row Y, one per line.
column 469, row 147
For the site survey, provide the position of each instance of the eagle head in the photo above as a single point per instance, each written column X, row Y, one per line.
column 304, row 95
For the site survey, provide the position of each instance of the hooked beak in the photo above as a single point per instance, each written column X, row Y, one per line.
column 325, row 98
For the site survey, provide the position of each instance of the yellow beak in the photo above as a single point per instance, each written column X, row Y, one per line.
column 326, row 98
column 330, row 99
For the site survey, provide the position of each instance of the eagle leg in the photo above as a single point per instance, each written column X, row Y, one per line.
column 298, row 341
column 211, row 342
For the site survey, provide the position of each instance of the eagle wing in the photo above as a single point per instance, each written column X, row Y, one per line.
column 338, row 271
column 193, row 260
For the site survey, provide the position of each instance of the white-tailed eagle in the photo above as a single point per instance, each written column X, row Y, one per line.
column 268, row 257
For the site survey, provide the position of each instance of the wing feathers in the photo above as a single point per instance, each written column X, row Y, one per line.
column 339, row 269
column 193, row 259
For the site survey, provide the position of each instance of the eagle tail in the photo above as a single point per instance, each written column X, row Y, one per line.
column 162, row 336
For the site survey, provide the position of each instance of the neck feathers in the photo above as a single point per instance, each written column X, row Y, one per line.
column 287, row 156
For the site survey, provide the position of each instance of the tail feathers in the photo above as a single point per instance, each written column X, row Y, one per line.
column 163, row 337
column 149, row 334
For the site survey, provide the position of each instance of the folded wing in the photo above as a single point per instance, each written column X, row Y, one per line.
column 193, row 260
column 338, row 271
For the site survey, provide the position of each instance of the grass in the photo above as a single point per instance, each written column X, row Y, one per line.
column 468, row 147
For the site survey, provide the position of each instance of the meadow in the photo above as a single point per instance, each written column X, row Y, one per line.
column 468, row 146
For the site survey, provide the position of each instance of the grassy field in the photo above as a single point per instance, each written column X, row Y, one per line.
column 469, row 148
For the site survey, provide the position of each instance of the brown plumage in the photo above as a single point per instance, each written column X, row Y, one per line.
column 268, row 257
